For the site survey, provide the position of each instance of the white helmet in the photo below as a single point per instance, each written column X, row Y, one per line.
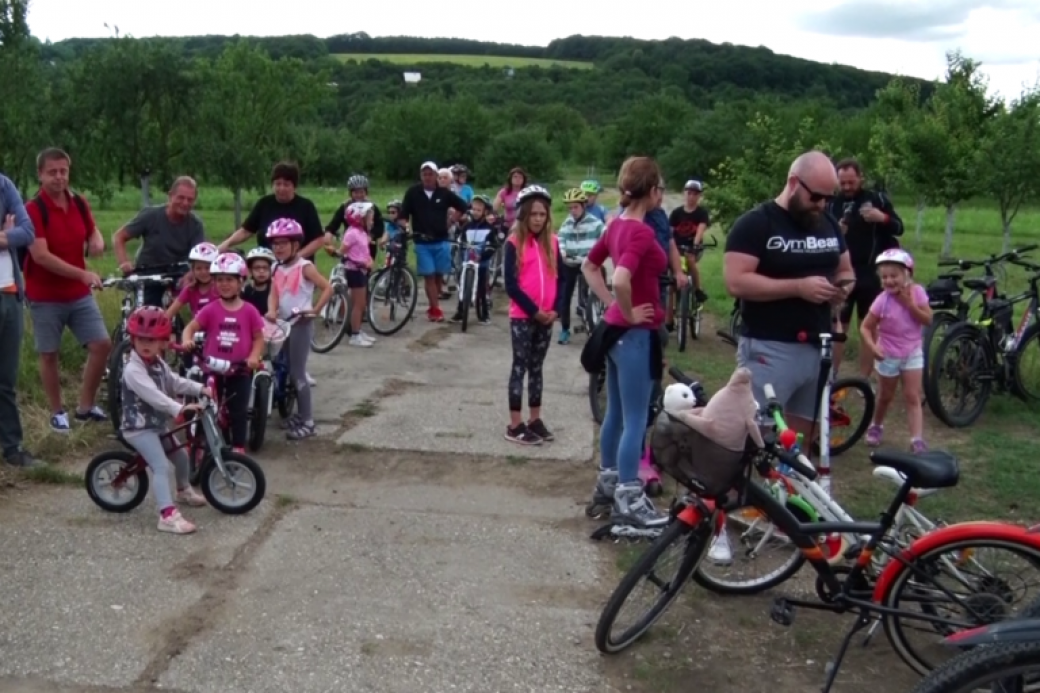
column 203, row 252
column 679, row 397
column 897, row 256
column 356, row 212
column 533, row 192
column 260, row 253
column 229, row 263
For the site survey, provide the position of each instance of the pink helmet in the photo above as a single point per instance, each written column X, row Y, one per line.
column 896, row 256
column 284, row 228
column 229, row 263
column 203, row 252
column 356, row 213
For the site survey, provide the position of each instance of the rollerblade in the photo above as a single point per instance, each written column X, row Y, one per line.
column 602, row 495
column 649, row 476
column 632, row 515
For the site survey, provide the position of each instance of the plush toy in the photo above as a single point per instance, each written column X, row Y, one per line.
column 730, row 416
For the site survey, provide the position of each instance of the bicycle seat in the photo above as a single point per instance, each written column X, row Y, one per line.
column 898, row 479
column 980, row 283
column 937, row 469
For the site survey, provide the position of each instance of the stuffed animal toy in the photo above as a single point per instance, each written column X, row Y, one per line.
column 729, row 417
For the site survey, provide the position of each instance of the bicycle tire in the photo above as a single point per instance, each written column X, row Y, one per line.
column 697, row 542
column 1031, row 335
column 394, row 278
column 114, row 387
column 258, row 417
column 695, row 320
column 287, row 404
column 684, row 316
column 975, row 668
column 967, row 333
column 942, row 321
column 597, row 381
column 126, row 458
column 468, row 278
column 339, row 304
column 860, row 429
column 209, row 471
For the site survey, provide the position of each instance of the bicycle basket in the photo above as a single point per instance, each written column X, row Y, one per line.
column 696, row 462
column 275, row 334
column 943, row 294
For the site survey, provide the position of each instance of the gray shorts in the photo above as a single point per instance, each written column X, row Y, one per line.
column 792, row 369
column 82, row 317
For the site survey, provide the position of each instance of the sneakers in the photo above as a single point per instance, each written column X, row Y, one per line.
column 457, row 318
column 720, row 552
column 21, row 458
column 358, row 340
column 538, row 428
column 485, row 321
column 311, row 382
column 521, row 435
column 367, row 337
column 632, row 507
column 60, row 422
column 603, row 494
column 565, row 336
column 190, row 496
column 301, row 430
column 874, row 434
column 94, row 414
column 174, row 523
column 918, row 446
column 435, row 314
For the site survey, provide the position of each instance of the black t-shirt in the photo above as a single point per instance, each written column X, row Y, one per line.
column 685, row 224
column 257, row 297
column 339, row 220
column 267, row 209
column 786, row 250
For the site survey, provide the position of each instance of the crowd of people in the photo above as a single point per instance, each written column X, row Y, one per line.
column 799, row 265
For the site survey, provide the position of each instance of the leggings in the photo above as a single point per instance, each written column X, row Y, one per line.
column 150, row 446
column 530, row 345
column 234, row 392
column 570, row 277
column 629, row 389
column 299, row 349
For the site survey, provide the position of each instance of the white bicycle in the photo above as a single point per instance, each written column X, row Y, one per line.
column 469, row 280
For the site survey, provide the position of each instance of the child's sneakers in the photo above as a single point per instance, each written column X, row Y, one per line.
column 457, row 318
column 485, row 321
column 358, row 340
column 302, row 430
column 565, row 336
column 171, row 520
column 189, row 496
column 918, row 446
column 874, row 434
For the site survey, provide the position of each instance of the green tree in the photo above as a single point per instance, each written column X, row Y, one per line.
column 23, row 94
column 527, row 148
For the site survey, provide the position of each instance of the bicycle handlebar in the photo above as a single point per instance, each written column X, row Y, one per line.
column 1010, row 256
column 132, row 281
column 1028, row 264
column 792, row 457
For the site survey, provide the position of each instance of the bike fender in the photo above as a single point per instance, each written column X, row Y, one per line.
column 805, row 507
column 1014, row 630
column 961, row 531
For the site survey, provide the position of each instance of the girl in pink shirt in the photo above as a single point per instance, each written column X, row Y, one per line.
column 201, row 291
column 506, row 202
column 357, row 257
column 892, row 331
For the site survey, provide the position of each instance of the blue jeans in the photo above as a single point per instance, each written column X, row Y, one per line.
column 629, row 389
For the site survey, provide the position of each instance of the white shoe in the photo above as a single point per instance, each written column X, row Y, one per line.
column 359, row 341
column 175, row 524
column 720, row 552
column 367, row 337
column 311, row 381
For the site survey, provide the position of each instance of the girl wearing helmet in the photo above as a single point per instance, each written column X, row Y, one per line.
column 358, row 262
column 592, row 189
column 531, row 262
column 234, row 332
column 357, row 186
column 295, row 279
column 200, row 292
column 257, row 292
column 149, row 396
column 395, row 226
column 892, row 332
column 578, row 233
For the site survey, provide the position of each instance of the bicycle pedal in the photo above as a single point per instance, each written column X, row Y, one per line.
column 782, row 612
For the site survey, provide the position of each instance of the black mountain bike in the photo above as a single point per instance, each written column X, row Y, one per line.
column 989, row 353
column 736, row 325
column 689, row 309
column 392, row 291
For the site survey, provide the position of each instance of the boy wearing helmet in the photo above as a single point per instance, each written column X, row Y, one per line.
column 257, row 292
column 200, row 292
column 479, row 234
column 592, row 189
column 464, row 189
column 149, row 397
column 395, row 226
column 578, row 233
column 891, row 332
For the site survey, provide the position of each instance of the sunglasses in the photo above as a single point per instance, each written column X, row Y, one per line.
column 813, row 195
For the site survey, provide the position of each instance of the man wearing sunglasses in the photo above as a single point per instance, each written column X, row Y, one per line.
column 871, row 226
column 787, row 262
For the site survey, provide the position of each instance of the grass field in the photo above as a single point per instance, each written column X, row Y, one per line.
column 467, row 60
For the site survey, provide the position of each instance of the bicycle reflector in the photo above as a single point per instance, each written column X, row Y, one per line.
column 788, row 439
column 474, row 255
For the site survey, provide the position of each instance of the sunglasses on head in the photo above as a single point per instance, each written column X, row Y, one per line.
column 813, row 195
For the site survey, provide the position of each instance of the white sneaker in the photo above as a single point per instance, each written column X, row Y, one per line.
column 190, row 497
column 359, row 341
column 720, row 552
column 175, row 524
column 367, row 337
column 311, row 381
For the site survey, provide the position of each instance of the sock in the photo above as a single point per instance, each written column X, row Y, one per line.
column 165, row 513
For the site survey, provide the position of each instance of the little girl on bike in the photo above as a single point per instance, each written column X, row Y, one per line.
column 234, row 332
column 149, row 387
column 257, row 292
column 357, row 258
column 201, row 290
column 892, row 332
column 293, row 293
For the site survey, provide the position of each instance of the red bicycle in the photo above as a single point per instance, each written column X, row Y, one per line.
column 232, row 482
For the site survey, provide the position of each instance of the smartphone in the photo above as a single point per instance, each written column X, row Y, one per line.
column 842, row 283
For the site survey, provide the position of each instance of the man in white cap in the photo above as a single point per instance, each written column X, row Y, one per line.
column 425, row 207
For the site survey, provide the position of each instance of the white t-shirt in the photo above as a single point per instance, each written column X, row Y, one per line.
column 6, row 269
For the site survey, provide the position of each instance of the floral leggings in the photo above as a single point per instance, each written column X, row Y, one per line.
column 530, row 345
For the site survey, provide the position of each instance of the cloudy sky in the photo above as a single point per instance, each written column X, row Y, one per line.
column 899, row 36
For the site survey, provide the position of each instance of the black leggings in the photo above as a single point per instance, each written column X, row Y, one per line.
column 570, row 278
column 234, row 392
column 530, row 345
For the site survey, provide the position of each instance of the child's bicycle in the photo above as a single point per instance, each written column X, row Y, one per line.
column 271, row 386
column 232, row 482
column 688, row 321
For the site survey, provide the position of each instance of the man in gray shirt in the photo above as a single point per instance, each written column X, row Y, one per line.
column 167, row 232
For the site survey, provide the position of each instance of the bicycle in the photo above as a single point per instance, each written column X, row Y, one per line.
column 718, row 480
column 393, row 291
column 987, row 353
column 335, row 316
column 690, row 309
column 212, row 460
column 270, row 383
column 736, row 325
column 468, row 280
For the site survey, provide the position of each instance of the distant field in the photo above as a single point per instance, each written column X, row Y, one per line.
column 468, row 60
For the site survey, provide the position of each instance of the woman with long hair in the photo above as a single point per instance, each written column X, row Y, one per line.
column 631, row 341
column 531, row 265
column 506, row 199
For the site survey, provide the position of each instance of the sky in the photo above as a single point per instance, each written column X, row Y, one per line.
column 907, row 37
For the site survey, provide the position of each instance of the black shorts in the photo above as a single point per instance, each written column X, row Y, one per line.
column 867, row 288
column 357, row 279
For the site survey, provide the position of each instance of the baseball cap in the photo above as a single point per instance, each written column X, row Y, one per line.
column 694, row 185
column 428, row 165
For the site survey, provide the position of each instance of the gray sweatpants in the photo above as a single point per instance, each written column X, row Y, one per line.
column 150, row 446
column 299, row 347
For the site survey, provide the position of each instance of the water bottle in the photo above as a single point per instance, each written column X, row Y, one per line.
column 218, row 366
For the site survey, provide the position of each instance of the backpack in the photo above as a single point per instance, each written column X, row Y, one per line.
column 22, row 254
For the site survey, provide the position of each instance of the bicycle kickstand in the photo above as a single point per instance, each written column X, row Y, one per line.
column 862, row 621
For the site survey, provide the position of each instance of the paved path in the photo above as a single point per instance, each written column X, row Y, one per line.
column 422, row 553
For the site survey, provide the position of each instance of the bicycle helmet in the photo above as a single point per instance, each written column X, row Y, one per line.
column 460, row 168
column 483, row 198
column 149, row 322
column 679, row 397
column 285, row 228
column 694, row 185
column 896, row 256
column 533, row 192
column 393, row 204
column 357, row 182
column 356, row 212
column 260, row 254
column 203, row 252
column 591, row 187
column 229, row 263
column 575, row 196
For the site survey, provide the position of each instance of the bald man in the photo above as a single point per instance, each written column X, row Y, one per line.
column 787, row 262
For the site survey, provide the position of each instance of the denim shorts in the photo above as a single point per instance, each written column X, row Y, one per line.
column 433, row 259
column 82, row 317
column 891, row 368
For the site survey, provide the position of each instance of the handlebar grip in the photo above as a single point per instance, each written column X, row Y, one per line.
column 767, row 389
column 679, row 377
column 1027, row 248
column 949, row 263
column 793, row 460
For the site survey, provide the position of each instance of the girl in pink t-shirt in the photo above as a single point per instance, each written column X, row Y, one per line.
column 201, row 291
column 892, row 331
column 357, row 259
column 234, row 332
column 505, row 200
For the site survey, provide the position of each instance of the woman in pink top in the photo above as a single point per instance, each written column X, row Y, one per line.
column 892, row 332
column 506, row 199
column 632, row 342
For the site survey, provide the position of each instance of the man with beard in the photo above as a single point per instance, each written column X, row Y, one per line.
column 871, row 226
column 787, row 262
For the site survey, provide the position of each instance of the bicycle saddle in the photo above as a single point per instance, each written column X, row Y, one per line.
column 980, row 283
column 936, row 469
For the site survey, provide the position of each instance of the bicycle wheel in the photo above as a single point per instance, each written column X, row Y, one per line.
column 594, row 310
column 951, row 577
column 996, row 667
column 942, row 321
column 1027, row 365
column 258, row 415
column 105, row 487
column 848, row 426
column 466, row 287
column 598, row 395
column 333, row 323
column 684, row 317
column 392, row 300
column 964, row 358
column 693, row 544
column 695, row 320
column 244, row 486
column 114, row 386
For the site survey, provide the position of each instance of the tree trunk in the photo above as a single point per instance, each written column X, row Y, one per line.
column 920, row 222
column 951, row 214
column 146, row 190
column 238, row 208
column 1006, row 246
